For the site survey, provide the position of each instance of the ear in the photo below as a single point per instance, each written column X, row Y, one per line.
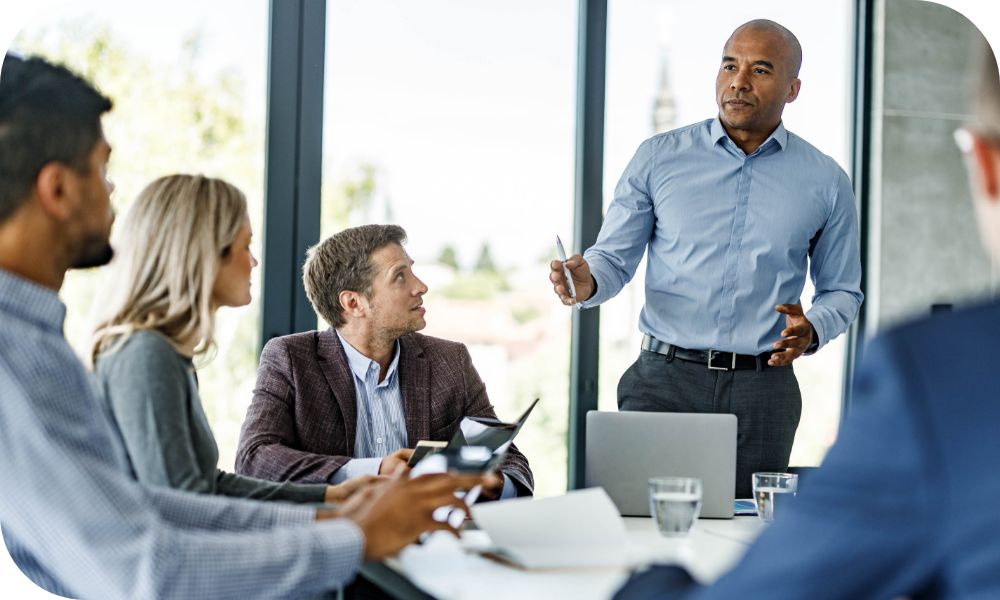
column 351, row 304
column 987, row 170
column 54, row 188
column 793, row 90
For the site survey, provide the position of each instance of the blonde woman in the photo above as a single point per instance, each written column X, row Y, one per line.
column 183, row 252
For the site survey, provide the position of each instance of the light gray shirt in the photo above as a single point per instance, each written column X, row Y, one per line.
column 152, row 393
column 76, row 522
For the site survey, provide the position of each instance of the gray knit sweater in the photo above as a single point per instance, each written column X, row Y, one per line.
column 152, row 393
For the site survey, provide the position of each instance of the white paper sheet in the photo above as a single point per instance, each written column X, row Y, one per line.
column 580, row 529
column 445, row 569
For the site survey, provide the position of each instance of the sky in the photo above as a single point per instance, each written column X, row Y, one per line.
column 474, row 125
column 469, row 117
column 467, row 109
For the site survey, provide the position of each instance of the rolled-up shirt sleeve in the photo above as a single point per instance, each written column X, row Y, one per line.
column 835, row 266
column 625, row 233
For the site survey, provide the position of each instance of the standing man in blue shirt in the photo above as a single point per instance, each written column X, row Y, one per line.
column 732, row 211
column 905, row 504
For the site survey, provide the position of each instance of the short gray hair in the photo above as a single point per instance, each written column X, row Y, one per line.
column 342, row 262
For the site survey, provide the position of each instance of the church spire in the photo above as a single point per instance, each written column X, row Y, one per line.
column 664, row 107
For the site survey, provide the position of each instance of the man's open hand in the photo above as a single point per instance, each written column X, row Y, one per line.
column 795, row 337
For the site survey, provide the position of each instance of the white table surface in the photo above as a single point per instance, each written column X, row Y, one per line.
column 442, row 568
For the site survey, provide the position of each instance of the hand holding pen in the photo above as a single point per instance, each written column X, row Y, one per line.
column 570, row 277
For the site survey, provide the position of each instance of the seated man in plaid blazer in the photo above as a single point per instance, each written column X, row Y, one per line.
column 356, row 398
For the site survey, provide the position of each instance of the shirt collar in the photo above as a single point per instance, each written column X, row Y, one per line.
column 717, row 131
column 360, row 364
column 28, row 300
column 779, row 135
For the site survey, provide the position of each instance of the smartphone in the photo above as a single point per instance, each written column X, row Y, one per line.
column 425, row 448
column 470, row 460
column 473, row 460
column 467, row 460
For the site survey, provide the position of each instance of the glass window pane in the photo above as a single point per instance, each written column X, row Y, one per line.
column 663, row 56
column 188, row 83
column 456, row 121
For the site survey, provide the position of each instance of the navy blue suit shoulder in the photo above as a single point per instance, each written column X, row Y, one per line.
column 905, row 502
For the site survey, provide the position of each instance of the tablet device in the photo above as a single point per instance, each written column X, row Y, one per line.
column 485, row 431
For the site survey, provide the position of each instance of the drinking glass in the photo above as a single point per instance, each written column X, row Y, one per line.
column 674, row 503
column 771, row 490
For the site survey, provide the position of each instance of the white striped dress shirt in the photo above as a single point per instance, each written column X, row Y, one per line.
column 381, row 426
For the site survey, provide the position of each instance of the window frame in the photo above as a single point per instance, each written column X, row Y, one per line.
column 293, row 174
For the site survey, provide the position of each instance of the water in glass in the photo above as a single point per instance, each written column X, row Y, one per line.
column 674, row 503
column 771, row 491
column 768, row 498
column 675, row 512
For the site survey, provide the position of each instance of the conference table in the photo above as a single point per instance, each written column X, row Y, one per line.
column 446, row 568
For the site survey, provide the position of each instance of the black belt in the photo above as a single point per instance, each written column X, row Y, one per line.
column 715, row 360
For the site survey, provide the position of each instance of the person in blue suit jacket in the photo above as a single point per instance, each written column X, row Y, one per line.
column 906, row 502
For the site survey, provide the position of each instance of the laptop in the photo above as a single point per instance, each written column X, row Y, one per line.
column 626, row 449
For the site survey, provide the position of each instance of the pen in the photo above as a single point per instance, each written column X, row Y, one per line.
column 569, row 278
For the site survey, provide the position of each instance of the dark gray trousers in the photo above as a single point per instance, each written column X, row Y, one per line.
column 767, row 405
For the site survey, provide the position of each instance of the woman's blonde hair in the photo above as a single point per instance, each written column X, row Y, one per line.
column 167, row 254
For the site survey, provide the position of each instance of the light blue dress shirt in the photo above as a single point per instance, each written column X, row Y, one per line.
column 381, row 425
column 76, row 522
column 730, row 236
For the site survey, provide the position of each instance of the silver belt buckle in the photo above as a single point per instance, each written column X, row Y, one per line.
column 711, row 357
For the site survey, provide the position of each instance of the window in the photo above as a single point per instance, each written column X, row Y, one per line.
column 188, row 83
column 662, row 60
column 455, row 120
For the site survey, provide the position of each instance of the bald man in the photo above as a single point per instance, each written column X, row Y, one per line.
column 905, row 504
column 733, row 211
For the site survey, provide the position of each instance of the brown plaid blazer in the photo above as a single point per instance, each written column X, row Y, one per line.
column 302, row 421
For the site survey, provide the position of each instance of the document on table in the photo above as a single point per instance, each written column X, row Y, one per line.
column 579, row 529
